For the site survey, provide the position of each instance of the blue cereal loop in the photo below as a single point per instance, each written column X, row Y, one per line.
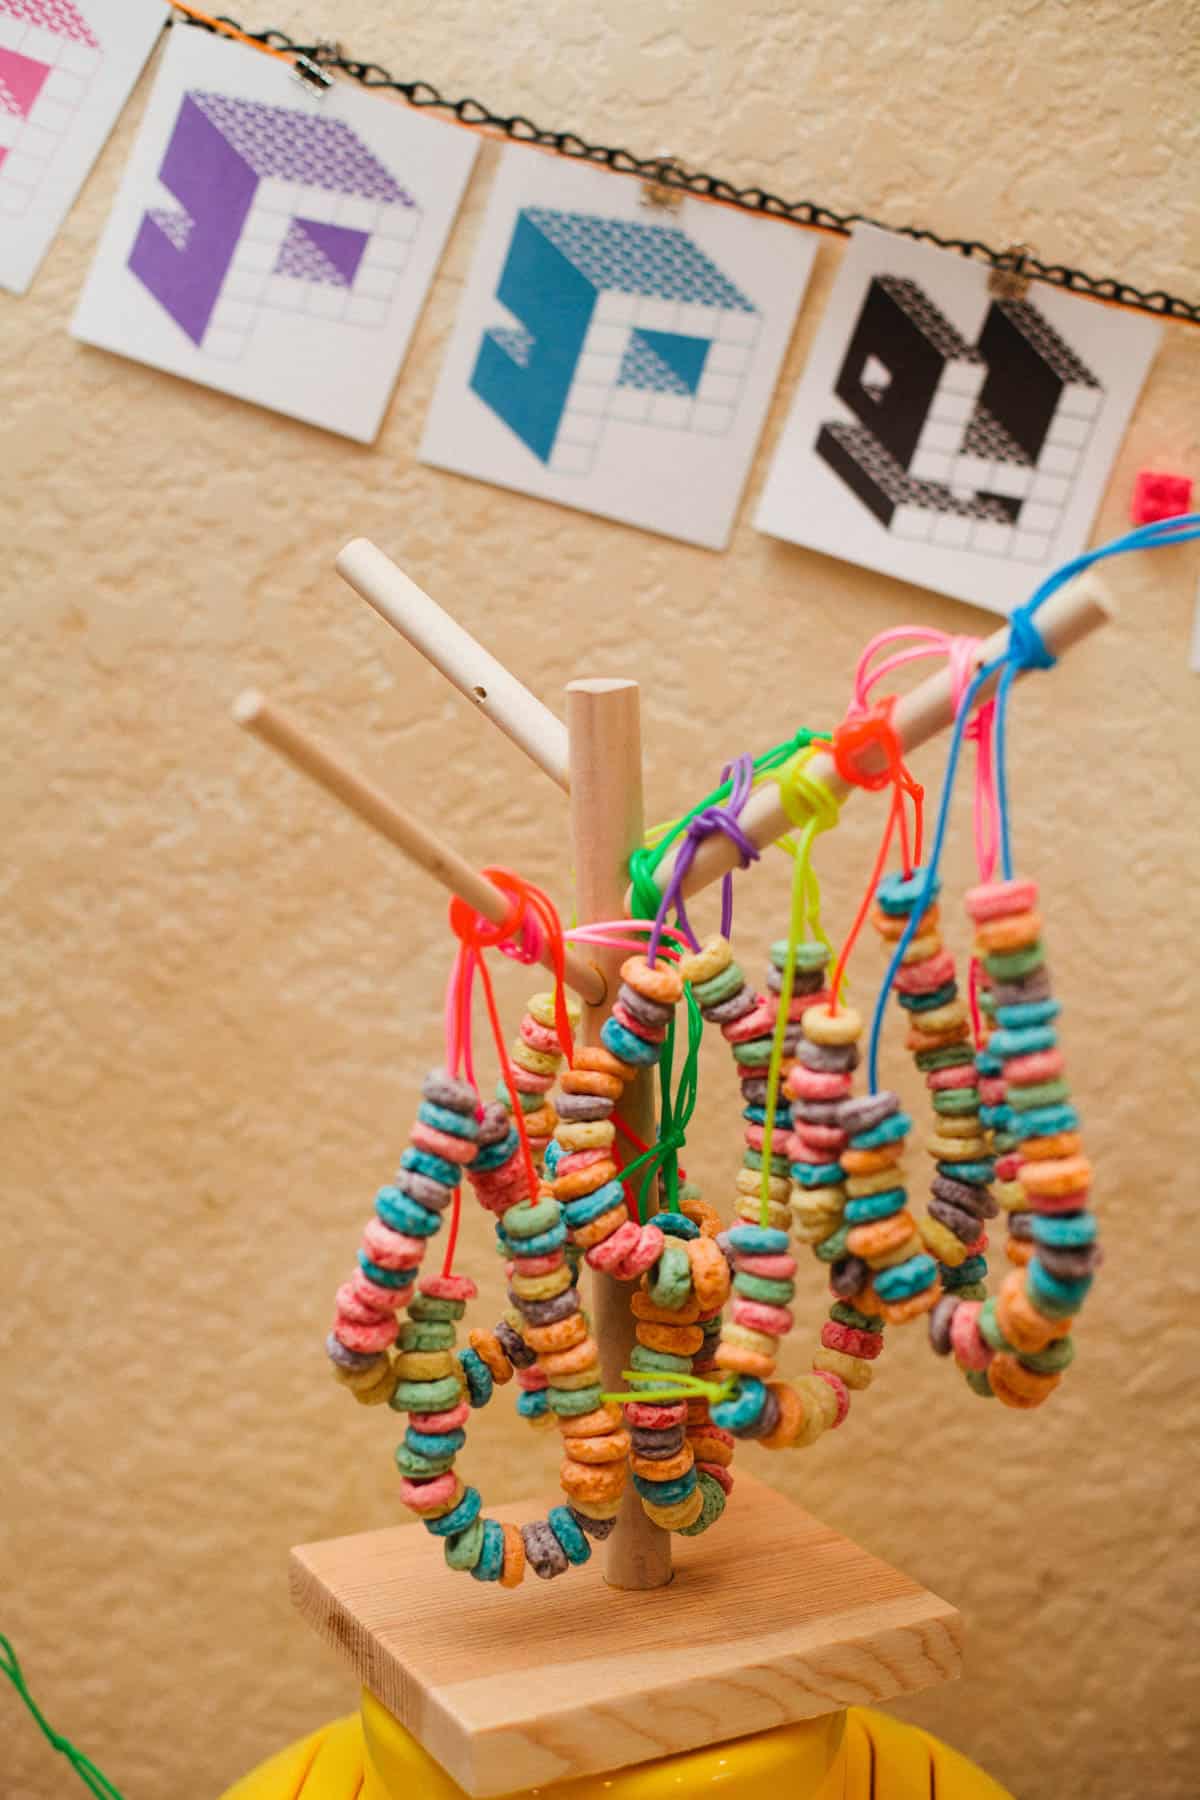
column 435, row 1443
column 814, row 1175
column 888, row 1131
column 897, row 894
column 1045, row 1121
column 987, row 1064
column 665, row 1493
column 970, row 1270
column 975, row 1174
column 627, row 1046
column 436, row 1167
column 542, row 1244
column 491, row 1556
column 388, row 1278
column 1022, row 1042
column 1064, row 1231
column 552, row 1158
column 443, row 1118
column 533, row 1404
column 590, row 1206
column 1056, row 1299
column 1028, row 1012
column 997, row 1118
column 494, row 1156
column 758, row 1240
column 757, row 1115
column 479, row 1376
column 906, row 1279
column 675, row 1224
column 464, row 1514
column 572, row 1540
column 927, row 1002
column 875, row 1206
column 744, row 1406
column 405, row 1215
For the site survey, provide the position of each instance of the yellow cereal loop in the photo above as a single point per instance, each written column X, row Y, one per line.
column 854, row 1370
column 541, row 1008
column 424, row 1365
column 713, row 958
column 941, row 1242
column 824, row 1027
column 943, row 1018
column 674, row 1518
column 541, row 1287
column 534, row 1062
column 952, row 1149
column 750, row 1209
column 749, row 1181
column 761, row 1342
column 589, row 1134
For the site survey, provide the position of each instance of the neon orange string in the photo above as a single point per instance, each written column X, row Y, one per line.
column 231, row 31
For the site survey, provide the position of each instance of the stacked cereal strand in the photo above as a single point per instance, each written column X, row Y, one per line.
column 953, row 1228
column 678, row 1456
column 817, row 1084
column 536, row 1055
column 547, row 1319
column 407, row 1214
column 1018, row 1345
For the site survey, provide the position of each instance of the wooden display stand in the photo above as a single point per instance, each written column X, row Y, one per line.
column 770, row 1618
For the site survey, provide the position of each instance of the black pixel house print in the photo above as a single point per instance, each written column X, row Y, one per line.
column 968, row 446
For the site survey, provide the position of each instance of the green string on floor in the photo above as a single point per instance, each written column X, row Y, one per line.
column 92, row 1778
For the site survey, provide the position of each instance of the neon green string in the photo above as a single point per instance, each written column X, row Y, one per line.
column 676, row 1387
column 92, row 1778
column 797, row 787
column 675, row 1114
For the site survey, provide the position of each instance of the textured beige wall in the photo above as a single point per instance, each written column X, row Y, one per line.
column 218, row 995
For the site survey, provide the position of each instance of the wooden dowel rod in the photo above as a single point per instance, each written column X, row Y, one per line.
column 474, row 671
column 275, row 727
column 920, row 715
column 604, row 737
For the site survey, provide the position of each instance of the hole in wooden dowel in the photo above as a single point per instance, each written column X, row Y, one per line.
column 479, row 693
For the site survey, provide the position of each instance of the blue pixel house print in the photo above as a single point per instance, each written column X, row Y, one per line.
column 616, row 320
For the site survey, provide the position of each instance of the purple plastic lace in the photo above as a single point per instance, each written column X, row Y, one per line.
column 712, row 819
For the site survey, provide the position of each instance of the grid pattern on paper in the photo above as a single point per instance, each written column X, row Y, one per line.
column 48, row 57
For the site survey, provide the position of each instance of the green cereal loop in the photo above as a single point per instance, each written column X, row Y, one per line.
column 977, row 1381
column 761, row 1287
column 720, row 987
column 753, row 1054
column 974, row 1290
column 423, row 1306
column 573, row 1402
column 417, row 1465
column 989, row 1328
column 710, row 1512
column 658, row 1362
column 956, row 1102
column 752, row 1159
column 429, row 1334
column 531, row 1217
column 1010, row 965
column 464, row 1549
column 427, row 1396
column 845, row 1314
column 671, row 1278
column 1057, row 1356
column 1039, row 1093
column 832, row 1249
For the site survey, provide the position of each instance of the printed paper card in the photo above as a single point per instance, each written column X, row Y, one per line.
column 615, row 358
column 272, row 242
column 66, row 70
column 946, row 435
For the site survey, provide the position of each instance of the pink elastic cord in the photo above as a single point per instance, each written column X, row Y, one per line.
column 962, row 658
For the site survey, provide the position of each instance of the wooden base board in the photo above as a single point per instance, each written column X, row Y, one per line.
column 771, row 1617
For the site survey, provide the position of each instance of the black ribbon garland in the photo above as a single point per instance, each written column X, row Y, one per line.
column 669, row 174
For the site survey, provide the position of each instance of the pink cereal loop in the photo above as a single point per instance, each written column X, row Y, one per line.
column 452, row 1149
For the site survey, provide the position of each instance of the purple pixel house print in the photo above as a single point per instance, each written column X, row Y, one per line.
column 275, row 208
column 48, row 55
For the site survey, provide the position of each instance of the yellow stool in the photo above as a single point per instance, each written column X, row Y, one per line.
column 852, row 1755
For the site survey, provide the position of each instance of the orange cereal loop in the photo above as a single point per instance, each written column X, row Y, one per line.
column 899, row 1312
column 597, row 1230
column 1019, row 1251
column 674, row 1340
column 1012, row 933
column 584, row 1181
column 663, row 1468
column 893, row 928
column 613, row 1448
column 700, row 1213
column 571, row 1361
column 512, row 1571
column 559, row 1336
column 1018, row 1386
column 1065, row 1175
column 594, row 1082
column 922, row 948
column 489, row 1349
column 936, row 1040
column 542, row 1122
column 643, row 1307
column 866, row 1162
column 1062, row 1144
column 787, row 1431
column 710, row 1273
column 744, row 1362
column 598, row 1060
column 711, row 1449
column 697, row 1412
column 661, row 983
column 820, row 1408
column 878, row 1236
column 594, row 1424
column 890, row 1259
column 592, row 1481
column 1022, row 1324
column 675, row 1518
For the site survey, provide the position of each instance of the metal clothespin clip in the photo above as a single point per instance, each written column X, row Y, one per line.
column 658, row 193
column 310, row 71
column 1010, row 278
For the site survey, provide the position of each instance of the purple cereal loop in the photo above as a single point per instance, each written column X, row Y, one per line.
column 596, row 1528
column 514, row 1346
column 726, row 1012
column 864, row 1111
column 817, row 1112
column 650, row 1012
column 1020, row 1225
column 547, row 1312
column 804, row 981
column 423, row 1189
column 939, row 1324
column 849, row 1277
column 441, row 1089
column 493, row 1124
column 964, row 1225
column 650, row 1442
column 727, row 1250
column 354, row 1360
column 581, row 1107
column 1034, row 986
column 974, row 1200
column 827, row 1059
column 544, row 1553
column 1070, row 1265
column 766, row 1421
